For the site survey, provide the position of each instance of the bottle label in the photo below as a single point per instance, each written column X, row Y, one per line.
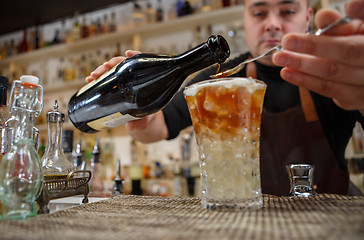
column 111, row 121
column 90, row 84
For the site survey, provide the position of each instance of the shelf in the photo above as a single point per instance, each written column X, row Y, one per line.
column 74, row 84
column 188, row 22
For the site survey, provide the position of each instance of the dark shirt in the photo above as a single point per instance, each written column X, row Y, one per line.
column 336, row 123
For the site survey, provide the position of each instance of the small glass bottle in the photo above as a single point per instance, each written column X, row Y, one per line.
column 21, row 175
column 54, row 162
column 118, row 182
column 78, row 161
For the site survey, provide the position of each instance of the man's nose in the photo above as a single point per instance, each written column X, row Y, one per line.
column 273, row 23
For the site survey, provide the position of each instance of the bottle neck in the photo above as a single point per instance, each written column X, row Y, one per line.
column 25, row 125
column 215, row 50
column 25, row 103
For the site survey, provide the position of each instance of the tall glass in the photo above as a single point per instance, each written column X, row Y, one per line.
column 226, row 117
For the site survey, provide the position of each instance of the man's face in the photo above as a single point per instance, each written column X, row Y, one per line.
column 266, row 21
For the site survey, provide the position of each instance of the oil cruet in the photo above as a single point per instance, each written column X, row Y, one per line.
column 21, row 175
column 54, row 162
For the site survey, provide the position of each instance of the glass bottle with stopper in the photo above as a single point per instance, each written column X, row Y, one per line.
column 54, row 162
column 21, row 175
column 11, row 124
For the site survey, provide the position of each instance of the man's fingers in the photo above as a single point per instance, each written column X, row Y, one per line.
column 106, row 66
column 354, row 9
column 344, row 49
column 325, row 17
column 130, row 53
column 322, row 68
column 352, row 96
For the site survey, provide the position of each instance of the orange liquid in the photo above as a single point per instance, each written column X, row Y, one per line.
column 226, row 109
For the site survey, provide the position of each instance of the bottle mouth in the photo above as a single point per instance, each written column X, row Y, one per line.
column 219, row 47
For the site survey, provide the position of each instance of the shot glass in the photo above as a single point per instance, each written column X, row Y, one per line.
column 301, row 180
column 226, row 118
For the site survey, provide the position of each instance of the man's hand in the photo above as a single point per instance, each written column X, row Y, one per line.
column 106, row 66
column 150, row 128
column 332, row 64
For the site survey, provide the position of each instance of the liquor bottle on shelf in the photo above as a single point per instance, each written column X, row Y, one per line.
column 117, row 52
column 98, row 26
column 186, row 166
column 83, row 67
column 23, row 47
column 69, row 71
column 97, row 180
column 84, row 28
column 159, row 12
column 4, row 111
column 21, row 175
column 61, row 68
column 62, row 32
column 118, row 182
column 135, row 170
column 186, row 9
column 177, row 179
column 108, row 162
column 56, row 38
column 150, row 14
column 112, row 25
column 54, row 162
column 105, row 24
column 67, row 143
column 92, row 29
column 76, row 31
column 138, row 15
column 179, row 6
column 206, row 5
column 31, row 43
column 78, row 157
column 140, row 85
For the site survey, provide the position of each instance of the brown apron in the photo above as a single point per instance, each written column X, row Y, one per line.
column 296, row 136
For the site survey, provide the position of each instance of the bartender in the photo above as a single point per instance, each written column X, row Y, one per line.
column 298, row 125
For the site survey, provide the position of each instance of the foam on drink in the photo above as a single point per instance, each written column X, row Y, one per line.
column 249, row 83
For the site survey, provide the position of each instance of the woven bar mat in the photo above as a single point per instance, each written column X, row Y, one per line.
column 143, row 217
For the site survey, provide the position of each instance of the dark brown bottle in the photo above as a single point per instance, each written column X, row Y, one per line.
column 139, row 86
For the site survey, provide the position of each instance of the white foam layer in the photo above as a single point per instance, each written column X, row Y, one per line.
column 249, row 83
column 29, row 79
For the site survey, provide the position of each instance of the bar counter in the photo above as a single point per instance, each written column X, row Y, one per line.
column 324, row 216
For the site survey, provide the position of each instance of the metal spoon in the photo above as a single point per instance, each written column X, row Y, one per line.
column 239, row 67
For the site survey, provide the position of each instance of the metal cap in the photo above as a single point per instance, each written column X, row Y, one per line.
column 55, row 116
column 29, row 79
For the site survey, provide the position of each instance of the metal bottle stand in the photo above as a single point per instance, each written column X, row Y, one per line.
column 76, row 183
